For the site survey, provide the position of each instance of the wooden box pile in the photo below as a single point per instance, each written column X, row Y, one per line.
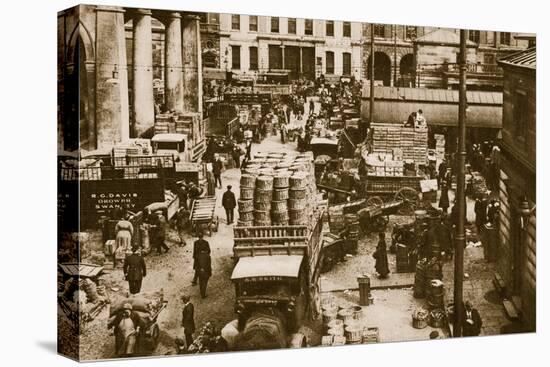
column 413, row 143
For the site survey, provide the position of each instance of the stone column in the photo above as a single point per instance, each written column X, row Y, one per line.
column 112, row 116
column 143, row 102
column 192, row 64
column 173, row 83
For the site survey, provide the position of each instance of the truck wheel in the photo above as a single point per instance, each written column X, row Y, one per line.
column 298, row 340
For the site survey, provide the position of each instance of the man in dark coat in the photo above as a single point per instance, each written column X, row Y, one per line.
column 188, row 319
column 229, row 203
column 444, row 198
column 161, row 228
column 381, row 257
column 217, row 167
column 471, row 320
column 236, row 155
column 204, row 270
column 441, row 172
column 200, row 246
column 134, row 270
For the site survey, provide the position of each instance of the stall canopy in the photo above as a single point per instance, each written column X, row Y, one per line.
column 276, row 266
column 440, row 106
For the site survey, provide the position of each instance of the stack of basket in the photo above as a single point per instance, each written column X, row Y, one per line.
column 298, row 199
column 246, row 204
column 263, row 195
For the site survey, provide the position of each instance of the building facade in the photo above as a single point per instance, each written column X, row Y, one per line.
column 516, row 255
column 251, row 45
column 119, row 59
column 409, row 56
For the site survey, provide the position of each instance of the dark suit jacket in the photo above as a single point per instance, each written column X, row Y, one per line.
column 199, row 246
column 228, row 200
column 471, row 329
column 134, row 267
column 188, row 318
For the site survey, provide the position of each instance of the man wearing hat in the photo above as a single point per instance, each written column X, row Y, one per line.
column 229, row 203
column 200, row 246
column 471, row 320
column 134, row 270
column 126, row 325
column 188, row 319
column 161, row 227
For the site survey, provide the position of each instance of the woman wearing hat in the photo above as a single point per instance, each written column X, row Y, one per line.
column 124, row 231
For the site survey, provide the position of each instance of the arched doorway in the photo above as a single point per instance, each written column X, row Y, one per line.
column 382, row 68
column 406, row 71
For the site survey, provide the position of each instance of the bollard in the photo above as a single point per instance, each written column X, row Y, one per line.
column 364, row 289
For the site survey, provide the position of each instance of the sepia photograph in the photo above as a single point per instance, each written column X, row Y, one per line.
column 238, row 182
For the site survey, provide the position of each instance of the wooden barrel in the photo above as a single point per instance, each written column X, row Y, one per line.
column 354, row 334
column 357, row 312
column 262, row 216
column 280, row 194
column 281, row 181
column 336, row 332
column 245, row 206
column 437, row 318
column 298, row 181
column 297, row 193
column 420, row 318
column 248, row 180
column 246, row 216
column 264, row 183
column 262, row 205
column 247, row 193
column 263, row 195
column 435, row 294
column 297, row 204
column 279, row 206
column 346, row 315
column 279, row 217
column 329, row 316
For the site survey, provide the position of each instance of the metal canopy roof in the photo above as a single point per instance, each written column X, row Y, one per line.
column 275, row 265
column 524, row 59
column 433, row 95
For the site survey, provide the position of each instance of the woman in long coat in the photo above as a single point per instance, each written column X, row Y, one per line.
column 124, row 231
column 381, row 257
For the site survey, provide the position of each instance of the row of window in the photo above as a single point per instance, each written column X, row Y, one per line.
column 276, row 56
column 236, row 57
column 346, row 63
column 275, row 25
column 505, row 37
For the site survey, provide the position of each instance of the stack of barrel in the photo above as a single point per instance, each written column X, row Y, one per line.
column 246, row 204
column 279, row 204
column 263, row 195
column 297, row 203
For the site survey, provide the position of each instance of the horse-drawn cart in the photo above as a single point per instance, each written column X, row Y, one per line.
column 403, row 189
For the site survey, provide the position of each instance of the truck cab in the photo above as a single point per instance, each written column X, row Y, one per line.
column 276, row 282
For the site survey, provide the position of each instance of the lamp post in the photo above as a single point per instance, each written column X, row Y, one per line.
column 371, row 104
column 460, row 237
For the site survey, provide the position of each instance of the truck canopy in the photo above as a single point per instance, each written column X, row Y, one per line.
column 287, row 266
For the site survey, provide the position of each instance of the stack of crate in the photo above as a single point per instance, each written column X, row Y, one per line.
column 163, row 122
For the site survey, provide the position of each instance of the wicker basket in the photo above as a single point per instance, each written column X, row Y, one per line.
column 246, row 206
column 280, row 194
column 247, row 193
column 264, row 183
column 297, row 193
column 246, row 216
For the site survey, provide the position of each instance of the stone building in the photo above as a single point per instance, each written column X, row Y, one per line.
column 408, row 56
column 516, row 255
column 118, row 59
column 251, row 45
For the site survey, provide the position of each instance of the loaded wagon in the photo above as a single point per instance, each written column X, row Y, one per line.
column 276, row 279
